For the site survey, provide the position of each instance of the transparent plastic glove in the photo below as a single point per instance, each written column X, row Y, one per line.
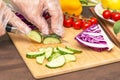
column 7, row 16
column 33, row 10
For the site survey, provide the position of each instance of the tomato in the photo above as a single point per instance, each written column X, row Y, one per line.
column 77, row 24
column 68, row 21
column 115, row 16
column 107, row 14
column 86, row 24
column 93, row 20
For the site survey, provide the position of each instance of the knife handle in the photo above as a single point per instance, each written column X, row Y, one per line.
column 8, row 28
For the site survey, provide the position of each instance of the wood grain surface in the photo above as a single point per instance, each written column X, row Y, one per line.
column 87, row 59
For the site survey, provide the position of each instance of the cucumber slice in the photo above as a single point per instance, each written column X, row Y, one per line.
column 64, row 51
column 54, row 56
column 73, row 49
column 42, row 50
column 51, row 39
column 55, row 50
column 35, row 36
column 33, row 54
column 58, row 62
column 48, row 52
column 69, row 57
column 40, row 59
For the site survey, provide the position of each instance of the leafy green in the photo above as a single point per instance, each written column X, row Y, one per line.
column 116, row 27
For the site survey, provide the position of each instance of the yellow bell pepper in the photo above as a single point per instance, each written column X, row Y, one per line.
column 71, row 7
column 111, row 4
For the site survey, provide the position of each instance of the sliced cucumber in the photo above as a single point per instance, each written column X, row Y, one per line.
column 73, row 49
column 54, row 56
column 42, row 50
column 64, row 50
column 51, row 39
column 33, row 54
column 40, row 59
column 70, row 57
column 55, row 35
column 58, row 62
column 48, row 52
column 55, row 50
column 35, row 36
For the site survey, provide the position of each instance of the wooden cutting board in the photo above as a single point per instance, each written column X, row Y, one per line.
column 87, row 59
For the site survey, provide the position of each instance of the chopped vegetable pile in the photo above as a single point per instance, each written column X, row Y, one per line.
column 56, row 57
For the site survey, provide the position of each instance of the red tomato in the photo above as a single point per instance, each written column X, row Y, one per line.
column 112, row 14
column 68, row 22
column 93, row 20
column 107, row 14
column 115, row 16
column 86, row 24
column 77, row 24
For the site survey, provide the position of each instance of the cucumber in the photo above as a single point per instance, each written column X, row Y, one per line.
column 33, row 54
column 55, row 35
column 64, row 50
column 58, row 62
column 42, row 50
column 48, row 52
column 54, row 56
column 35, row 36
column 51, row 39
column 55, row 50
column 73, row 49
column 40, row 59
column 69, row 57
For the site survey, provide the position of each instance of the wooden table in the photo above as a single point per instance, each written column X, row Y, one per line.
column 12, row 66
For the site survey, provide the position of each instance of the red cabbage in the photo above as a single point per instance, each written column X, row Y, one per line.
column 95, row 38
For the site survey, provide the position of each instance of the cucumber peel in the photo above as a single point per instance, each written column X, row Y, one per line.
column 33, row 54
column 64, row 50
column 54, row 56
column 55, row 50
column 73, row 49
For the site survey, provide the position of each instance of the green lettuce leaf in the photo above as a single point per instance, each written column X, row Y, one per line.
column 116, row 27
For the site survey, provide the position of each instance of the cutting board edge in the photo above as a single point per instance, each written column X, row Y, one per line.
column 77, row 69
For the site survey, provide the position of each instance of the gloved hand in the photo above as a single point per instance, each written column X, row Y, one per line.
column 33, row 10
column 6, row 15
